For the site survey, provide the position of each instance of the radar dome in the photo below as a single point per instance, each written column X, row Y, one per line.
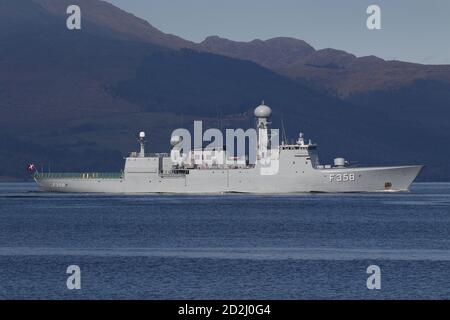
column 142, row 134
column 263, row 111
column 174, row 140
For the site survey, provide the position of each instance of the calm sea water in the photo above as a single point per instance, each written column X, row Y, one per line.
column 314, row 246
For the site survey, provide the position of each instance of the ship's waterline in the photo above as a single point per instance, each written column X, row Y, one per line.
column 279, row 168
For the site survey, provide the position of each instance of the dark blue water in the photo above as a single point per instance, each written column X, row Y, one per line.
column 226, row 246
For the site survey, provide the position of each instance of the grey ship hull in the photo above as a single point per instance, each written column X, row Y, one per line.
column 246, row 180
column 287, row 168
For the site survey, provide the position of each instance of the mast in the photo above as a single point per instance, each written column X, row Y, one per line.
column 262, row 113
column 142, row 143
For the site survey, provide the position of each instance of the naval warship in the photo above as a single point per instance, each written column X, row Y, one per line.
column 298, row 170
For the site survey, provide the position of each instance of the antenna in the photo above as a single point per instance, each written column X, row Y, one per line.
column 219, row 119
column 283, row 131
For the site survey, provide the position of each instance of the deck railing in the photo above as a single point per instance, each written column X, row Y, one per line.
column 148, row 155
column 78, row 175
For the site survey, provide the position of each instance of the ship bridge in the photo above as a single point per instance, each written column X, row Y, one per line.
column 299, row 145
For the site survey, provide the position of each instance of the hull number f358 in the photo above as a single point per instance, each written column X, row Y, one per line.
column 341, row 177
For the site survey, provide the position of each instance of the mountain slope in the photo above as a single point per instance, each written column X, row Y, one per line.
column 336, row 71
column 123, row 24
column 274, row 53
column 74, row 100
column 203, row 84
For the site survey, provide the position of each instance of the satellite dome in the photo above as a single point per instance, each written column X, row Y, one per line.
column 263, row 111
column 142, row 134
